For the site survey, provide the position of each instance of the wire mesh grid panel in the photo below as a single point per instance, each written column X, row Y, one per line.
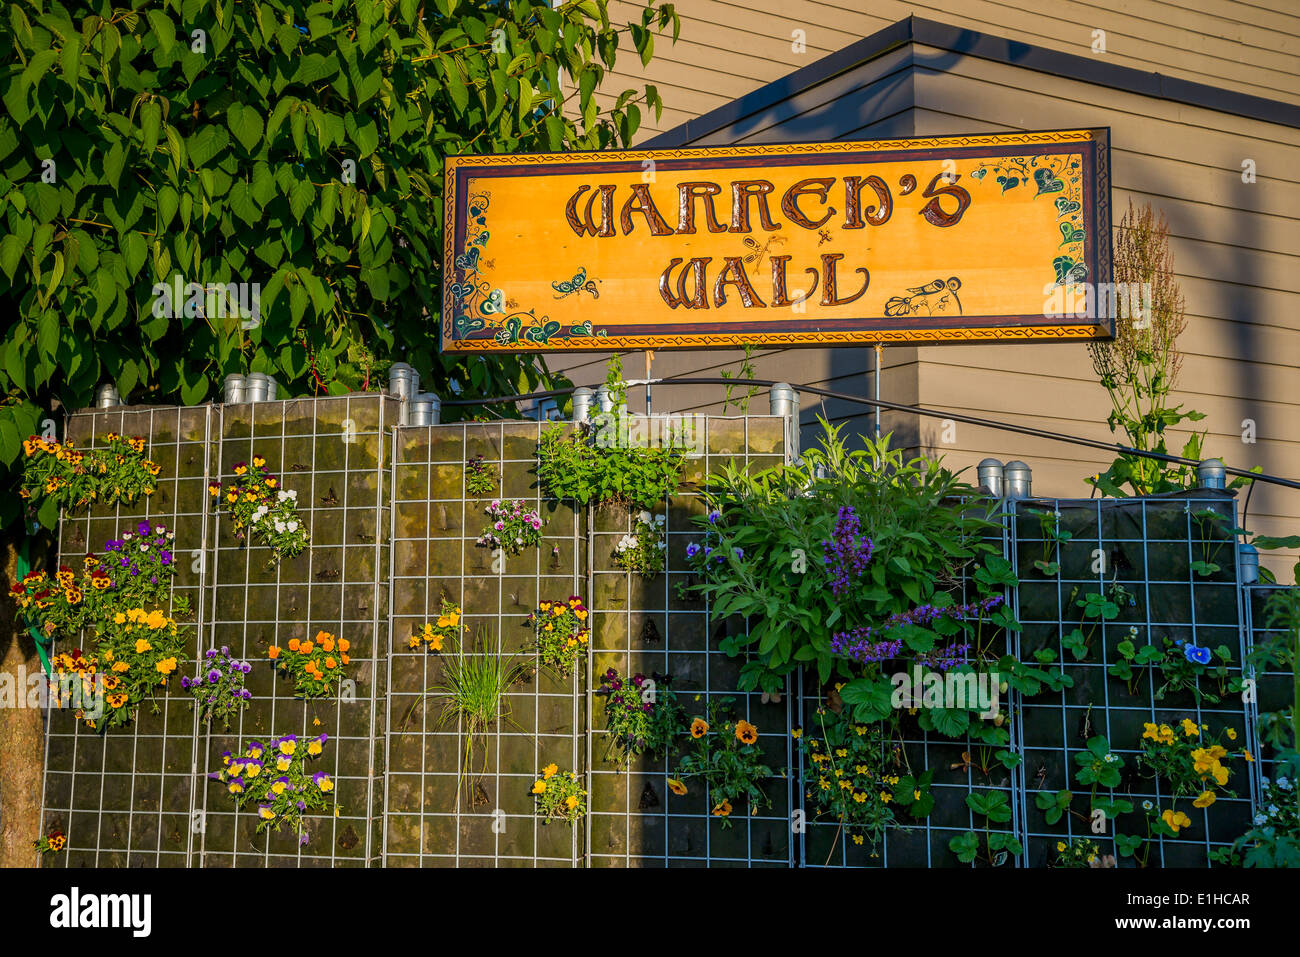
column 1137, row 601
column 957, row 768
column 333, row 453
column 460, row 793
column 651, row 626
column 124, row 796
column 1274, row 687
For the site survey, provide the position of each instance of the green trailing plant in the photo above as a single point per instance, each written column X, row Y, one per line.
column 1134, row 661
column 293, row 148
column 1096, row 767
column 595, row 464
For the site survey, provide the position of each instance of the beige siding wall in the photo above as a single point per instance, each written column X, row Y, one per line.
column 729, row 49
column 1236, row 252
column 1236, row 245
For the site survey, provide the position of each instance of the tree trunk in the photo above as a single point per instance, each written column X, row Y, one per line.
column 22, row 738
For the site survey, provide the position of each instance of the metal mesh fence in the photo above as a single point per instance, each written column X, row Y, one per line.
column 389, row 514
column 1143, row 553
column 126, row 798
column 457, row 799
column 140, row 795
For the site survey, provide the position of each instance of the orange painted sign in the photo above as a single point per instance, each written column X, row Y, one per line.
column 938, row 239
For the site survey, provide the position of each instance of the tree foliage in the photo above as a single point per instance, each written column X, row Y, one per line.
column 294, row 146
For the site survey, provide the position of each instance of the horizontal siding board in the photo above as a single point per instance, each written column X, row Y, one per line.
column 969, row 86
column 1236, row 246
column 728, row 47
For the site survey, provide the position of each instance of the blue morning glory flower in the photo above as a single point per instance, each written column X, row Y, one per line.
column 1197, row 655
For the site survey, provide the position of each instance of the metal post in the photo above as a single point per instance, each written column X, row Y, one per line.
column 403, row 382
column 582, row 401
column 256, row 386
column 649, row 355
column 233, row 392
column 990, row 474
column 1211, row 474
column 106, row 396
column 1018, row 480
column 880, row 356
column 783, row 400
column 426, row 409
column 1248, row 562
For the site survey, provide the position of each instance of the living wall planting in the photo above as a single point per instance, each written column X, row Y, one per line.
column 442, row 664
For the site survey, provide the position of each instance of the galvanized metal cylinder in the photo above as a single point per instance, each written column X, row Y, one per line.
column 582, row 402
column 272, row 389
column 1017, row 480
column 1211, row 474
column 990, row 474
column 256, row 386
column 426, row 409
column 403, row 382
column 234, row 389
column 1248, row 564
column 604, row 401
column 420, row 412
column 106, row 396
column 783, row 400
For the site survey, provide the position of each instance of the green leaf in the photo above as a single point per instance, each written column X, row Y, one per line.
column 246, row 124
column 965, row 846
column 135, row 250
column 301, row 197
column 11, row 253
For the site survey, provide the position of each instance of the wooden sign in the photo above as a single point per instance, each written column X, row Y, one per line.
column 938, row 239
